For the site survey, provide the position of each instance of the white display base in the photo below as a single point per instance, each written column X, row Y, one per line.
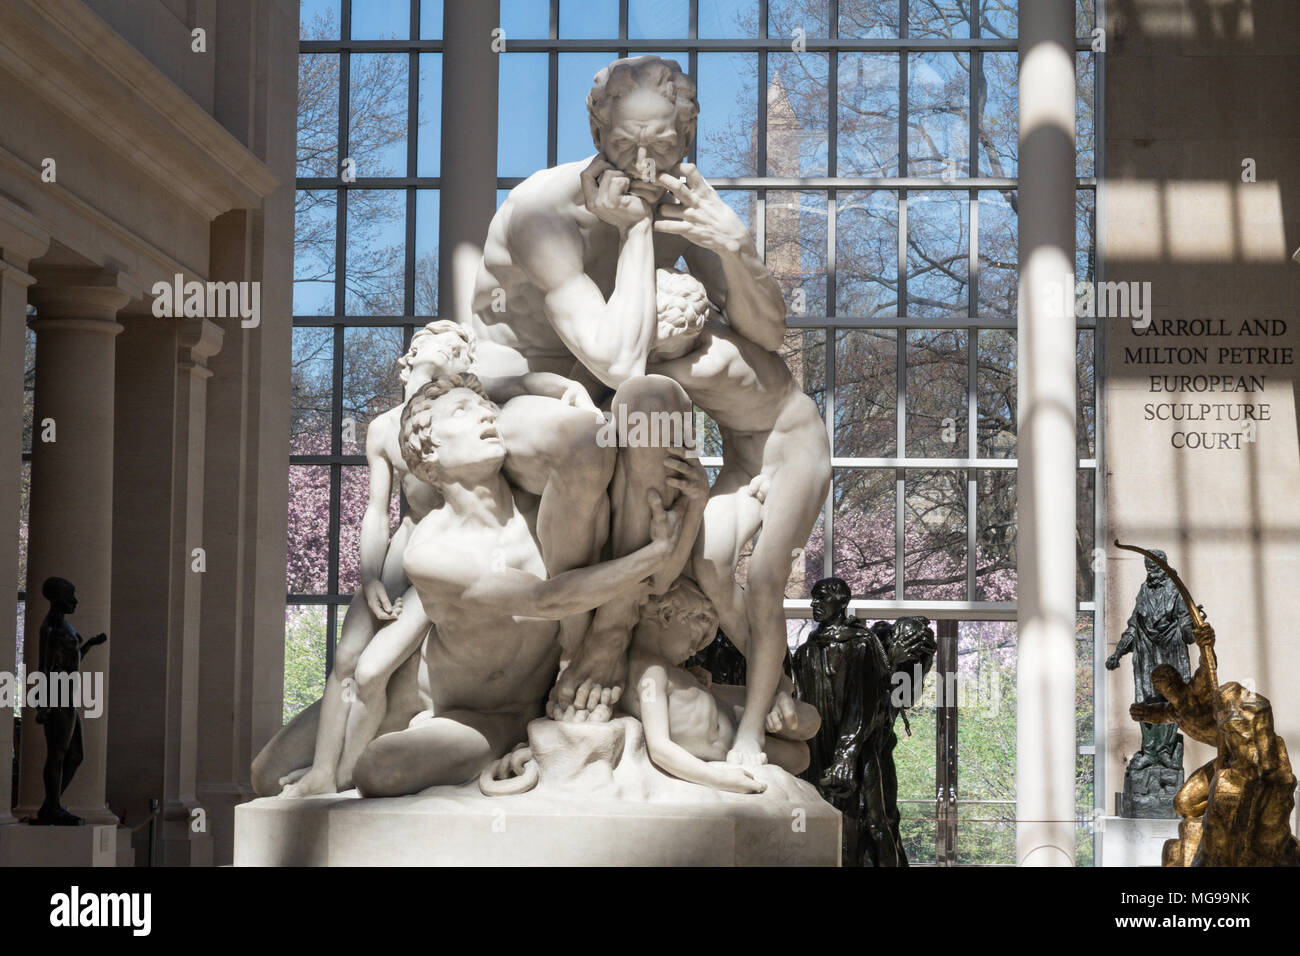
column 92, row 845
column 471, row 830
column 600, row 802
column 1129, row 842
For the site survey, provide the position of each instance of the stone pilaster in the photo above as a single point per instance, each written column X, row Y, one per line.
column 162, row 393
column 224, row 694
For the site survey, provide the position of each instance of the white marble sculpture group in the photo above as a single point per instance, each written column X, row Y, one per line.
column 543, row 572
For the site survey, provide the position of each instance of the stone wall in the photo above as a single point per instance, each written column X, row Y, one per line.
column 1194, row 89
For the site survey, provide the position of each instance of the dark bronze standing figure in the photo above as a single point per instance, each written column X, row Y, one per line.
column 910, row 648
column 61, row 651
column 846, row 671
column 1236, row 809
column 1159, row 631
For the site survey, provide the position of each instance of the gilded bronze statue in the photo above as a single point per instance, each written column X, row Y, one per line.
column 1236, row 809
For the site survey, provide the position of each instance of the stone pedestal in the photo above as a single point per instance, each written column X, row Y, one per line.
column 91, row 845
column 460, row 827
column 599, row 801
column 1129, row 842
column 1149, row 791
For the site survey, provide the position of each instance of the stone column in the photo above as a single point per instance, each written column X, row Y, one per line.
column 158, row 501
column 71, row 524
column 469, row 93
column 187, row 837
column 241, row 674
column 21, row 239
column 1045, row 732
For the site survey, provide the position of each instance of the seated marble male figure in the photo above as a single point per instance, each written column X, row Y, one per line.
column 567, row 276
column 775, row 474
column 477, row 567
column 310, row 754
column 688, row 722
column 442, row 347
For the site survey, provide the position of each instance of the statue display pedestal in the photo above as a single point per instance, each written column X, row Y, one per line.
column 95, row 844
column 460, row 827
column 599, row 801
column 1128, row 841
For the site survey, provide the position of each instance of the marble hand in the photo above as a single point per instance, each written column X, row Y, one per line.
column 578, row 397
column 607, row 193
column 686, row 474
column 734, row 779
column 376, row 596
column 665, row 526
column 700, row 215
column 782, row 716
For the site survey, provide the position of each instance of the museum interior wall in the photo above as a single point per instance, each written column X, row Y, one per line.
column 1202, row 154
column 135, row 150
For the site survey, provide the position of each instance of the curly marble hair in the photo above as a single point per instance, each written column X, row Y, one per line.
column 438, row 327
column 682, row 605
column 681, row 303
column 416, row 438
column 631, row 73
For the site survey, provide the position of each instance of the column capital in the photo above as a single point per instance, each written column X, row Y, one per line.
column 88, row 296
column 199, row 340
column 11, row 272
column 23, row 237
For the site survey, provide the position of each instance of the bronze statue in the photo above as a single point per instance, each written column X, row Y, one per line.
column 61, row 652
column 723, row 662
column 1158, row 632
column 1236, row 809
column 847, row 671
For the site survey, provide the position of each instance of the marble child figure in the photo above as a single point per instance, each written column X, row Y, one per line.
column 689, row 724
column 476, row 564
column 441, row 347
column 775, row 475
column 61, row 653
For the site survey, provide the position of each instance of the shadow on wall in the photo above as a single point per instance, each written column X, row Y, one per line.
column 1200, row 172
